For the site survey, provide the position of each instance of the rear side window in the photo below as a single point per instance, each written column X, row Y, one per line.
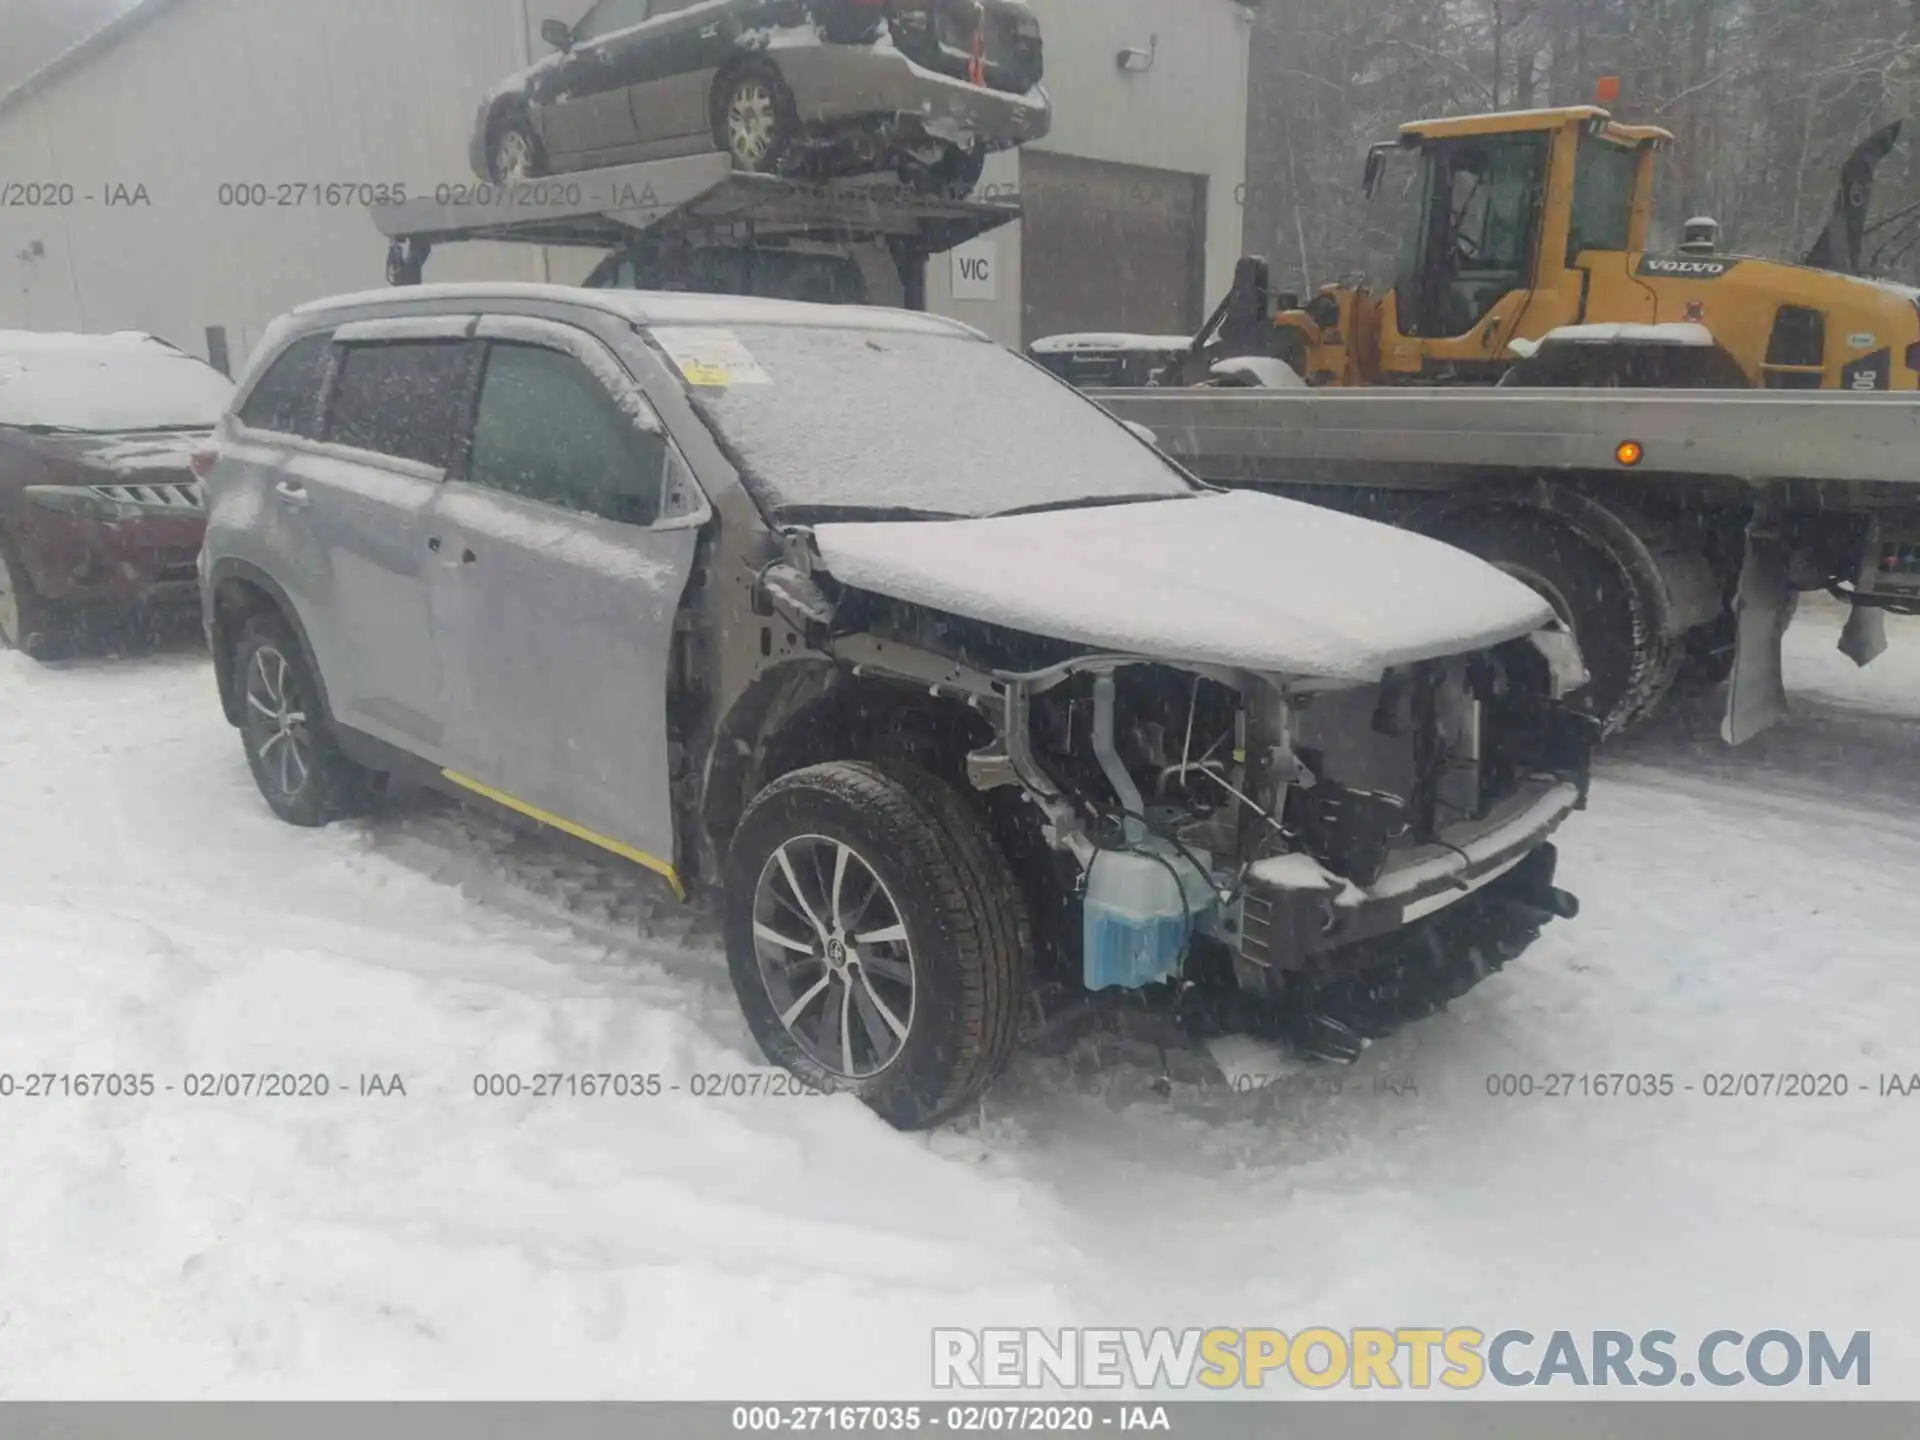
column 547, row 429
column 400, row 398
column 287, row 398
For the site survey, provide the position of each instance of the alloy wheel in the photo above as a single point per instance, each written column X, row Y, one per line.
column 752, row 122
column 513, row 157
column 834, row 956
column 278, row 731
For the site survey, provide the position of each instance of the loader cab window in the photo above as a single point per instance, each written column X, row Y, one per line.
column 1605, row 176
column 1475, row 239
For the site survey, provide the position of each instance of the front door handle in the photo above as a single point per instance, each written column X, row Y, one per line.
column 433, row 544
column 467, row 557
column 293, row 494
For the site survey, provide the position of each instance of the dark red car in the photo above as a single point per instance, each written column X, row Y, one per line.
column 99, row 505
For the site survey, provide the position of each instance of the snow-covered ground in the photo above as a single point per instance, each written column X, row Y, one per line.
column 1746, row 911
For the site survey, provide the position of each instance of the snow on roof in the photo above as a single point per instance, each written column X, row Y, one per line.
column 48, row 342
column 654, row 307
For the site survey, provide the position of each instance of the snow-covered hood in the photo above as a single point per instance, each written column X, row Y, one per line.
column 1240, row 579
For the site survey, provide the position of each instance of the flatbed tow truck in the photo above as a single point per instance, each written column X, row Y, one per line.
column 1672, row 530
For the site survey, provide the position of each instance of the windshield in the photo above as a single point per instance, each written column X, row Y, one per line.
column 908, row 421
column 107, row 388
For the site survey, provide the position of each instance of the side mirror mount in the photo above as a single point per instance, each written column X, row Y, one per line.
column 1141, row 432
column 558, row 34
column 1376, row 169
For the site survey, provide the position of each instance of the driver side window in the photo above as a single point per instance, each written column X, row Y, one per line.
column 546, row 429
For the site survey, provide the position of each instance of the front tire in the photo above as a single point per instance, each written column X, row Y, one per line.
column 876, row 938
column 302, row 773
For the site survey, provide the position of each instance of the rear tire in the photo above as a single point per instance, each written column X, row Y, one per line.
column 29, row 624
column 928, row 936
column 1630, row 668
column 754, row 119
column 302, row 773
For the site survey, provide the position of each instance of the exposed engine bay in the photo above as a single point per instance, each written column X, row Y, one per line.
column 1322, row 858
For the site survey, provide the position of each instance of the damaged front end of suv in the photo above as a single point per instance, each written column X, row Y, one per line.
column 1318, row 857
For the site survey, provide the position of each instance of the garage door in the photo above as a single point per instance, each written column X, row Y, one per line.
column 1110, row 247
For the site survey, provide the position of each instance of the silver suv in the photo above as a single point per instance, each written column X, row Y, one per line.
column 949, row 689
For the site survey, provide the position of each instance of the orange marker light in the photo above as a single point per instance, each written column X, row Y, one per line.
column 1607, row 91
column 1629, row 453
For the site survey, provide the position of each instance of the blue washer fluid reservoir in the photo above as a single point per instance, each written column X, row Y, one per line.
column 1140, row 911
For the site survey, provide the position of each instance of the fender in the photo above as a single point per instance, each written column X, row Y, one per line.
column 229, row 569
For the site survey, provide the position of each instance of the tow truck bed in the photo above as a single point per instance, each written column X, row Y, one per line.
column 1847, row 449
column 1671, row 529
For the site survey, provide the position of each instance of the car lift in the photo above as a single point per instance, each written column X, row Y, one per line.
column 698, row 199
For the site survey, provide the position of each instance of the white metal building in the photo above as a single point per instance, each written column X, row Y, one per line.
column 115, row 161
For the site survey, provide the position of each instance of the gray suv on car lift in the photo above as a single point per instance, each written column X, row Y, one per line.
column 946, row 705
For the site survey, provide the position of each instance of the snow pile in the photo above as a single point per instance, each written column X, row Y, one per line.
column 1682, row 333
column 156, row 919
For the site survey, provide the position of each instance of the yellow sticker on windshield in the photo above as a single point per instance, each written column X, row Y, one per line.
column 710, row 358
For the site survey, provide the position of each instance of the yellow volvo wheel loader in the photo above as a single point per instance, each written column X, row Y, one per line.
column 1525, row 262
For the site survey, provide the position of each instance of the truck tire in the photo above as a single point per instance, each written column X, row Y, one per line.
column 302, row 773
column 903, row 985
column 1630, row 666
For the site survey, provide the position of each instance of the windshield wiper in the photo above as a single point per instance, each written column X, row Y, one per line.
column 1090, row 502
column 830, row 514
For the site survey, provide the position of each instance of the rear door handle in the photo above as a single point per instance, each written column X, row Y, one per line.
column 293, row 494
